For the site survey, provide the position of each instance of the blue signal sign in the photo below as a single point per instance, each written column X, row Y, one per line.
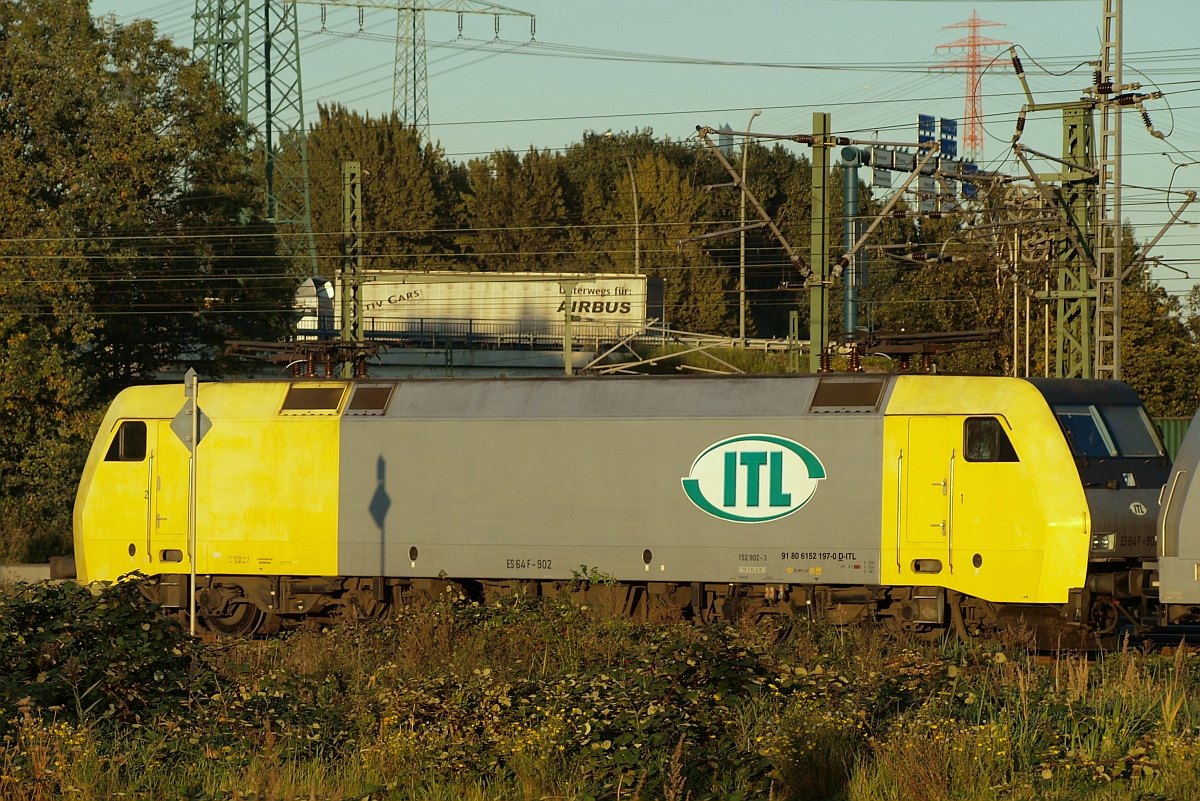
column 949, row 140
column 926, row 128
column 969, row 189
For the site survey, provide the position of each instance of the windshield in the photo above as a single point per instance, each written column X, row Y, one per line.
column 1100, row 430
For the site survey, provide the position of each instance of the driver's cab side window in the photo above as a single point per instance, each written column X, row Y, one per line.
column 129, row 444
column 984, row 440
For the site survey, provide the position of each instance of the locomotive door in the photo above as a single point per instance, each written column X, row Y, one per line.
column 169, row 497
column 933, row 444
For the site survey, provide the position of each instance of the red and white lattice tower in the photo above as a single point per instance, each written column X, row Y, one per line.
column 971, row 61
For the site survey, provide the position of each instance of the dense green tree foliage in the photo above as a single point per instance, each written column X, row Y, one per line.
column 1160, row 356
column 409, row 199
column 125, row 244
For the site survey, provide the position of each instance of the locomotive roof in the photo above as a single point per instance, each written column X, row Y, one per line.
column 1075, row 390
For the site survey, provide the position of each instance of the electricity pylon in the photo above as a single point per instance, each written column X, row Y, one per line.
column 252, row 48
column 410, row 82
column 971, row 62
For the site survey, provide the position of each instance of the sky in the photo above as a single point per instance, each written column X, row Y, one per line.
column 874, row 56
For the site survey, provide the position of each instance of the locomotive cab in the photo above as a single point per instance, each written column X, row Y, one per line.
column 1121, row 461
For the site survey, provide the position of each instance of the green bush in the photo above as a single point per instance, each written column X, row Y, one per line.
column 84, row 653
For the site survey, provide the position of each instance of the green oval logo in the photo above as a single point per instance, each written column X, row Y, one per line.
column 753, row 478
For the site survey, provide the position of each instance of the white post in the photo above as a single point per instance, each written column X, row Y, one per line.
column 637, row 221
column 742, row 217
column 191, row 388
column 568, row 288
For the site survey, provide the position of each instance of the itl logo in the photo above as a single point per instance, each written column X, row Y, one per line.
column 753, row 478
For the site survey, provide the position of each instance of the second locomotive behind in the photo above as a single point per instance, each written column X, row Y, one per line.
column 929, row 502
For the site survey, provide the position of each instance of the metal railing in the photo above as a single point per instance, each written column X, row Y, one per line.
column 470, row 334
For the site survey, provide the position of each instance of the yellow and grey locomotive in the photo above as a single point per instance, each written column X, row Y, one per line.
column 927, row 502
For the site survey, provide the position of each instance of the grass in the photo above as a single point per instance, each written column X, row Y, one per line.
column 526, row 699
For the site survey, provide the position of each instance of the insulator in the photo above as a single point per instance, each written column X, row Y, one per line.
column 1020, row 126
column 460, row 24
column 1150, row 125
column 1017, row 65
column 1127, row 99
column 1096, row 78
column 1105, row 88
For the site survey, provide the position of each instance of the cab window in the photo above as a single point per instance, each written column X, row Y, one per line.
column 129, row 445
column 1098, row 431
column 984, row 440
column 1132, row 430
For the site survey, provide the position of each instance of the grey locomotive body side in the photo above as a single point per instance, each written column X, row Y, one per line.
column 540, row 480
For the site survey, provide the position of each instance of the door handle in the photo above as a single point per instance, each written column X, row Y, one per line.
column 159, row 518
column 941, row 484
column 149, row 504
column 950, row 517
column 941, row 525
column 899, row 504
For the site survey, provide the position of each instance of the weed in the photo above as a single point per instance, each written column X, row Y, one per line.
column 540, row 698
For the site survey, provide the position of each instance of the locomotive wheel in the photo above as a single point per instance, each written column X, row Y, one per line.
column 242, row 620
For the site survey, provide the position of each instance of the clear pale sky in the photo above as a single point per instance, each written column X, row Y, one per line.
column 485, row 95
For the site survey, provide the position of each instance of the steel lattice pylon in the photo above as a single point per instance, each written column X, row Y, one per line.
column 410, row 86
column 1110, row 266
column 410, row 82
column 971, row 62
column 252, row 48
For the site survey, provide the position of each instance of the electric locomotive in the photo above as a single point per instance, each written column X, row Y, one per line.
column 1178, row 560
column 925, row 502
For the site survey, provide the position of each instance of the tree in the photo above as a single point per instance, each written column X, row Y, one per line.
column 125, row 242
column 671, row 208
column 516, row 214
column 1160, row 358
column 409, row 198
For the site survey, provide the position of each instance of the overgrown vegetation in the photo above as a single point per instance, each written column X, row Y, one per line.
column 532, row 699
